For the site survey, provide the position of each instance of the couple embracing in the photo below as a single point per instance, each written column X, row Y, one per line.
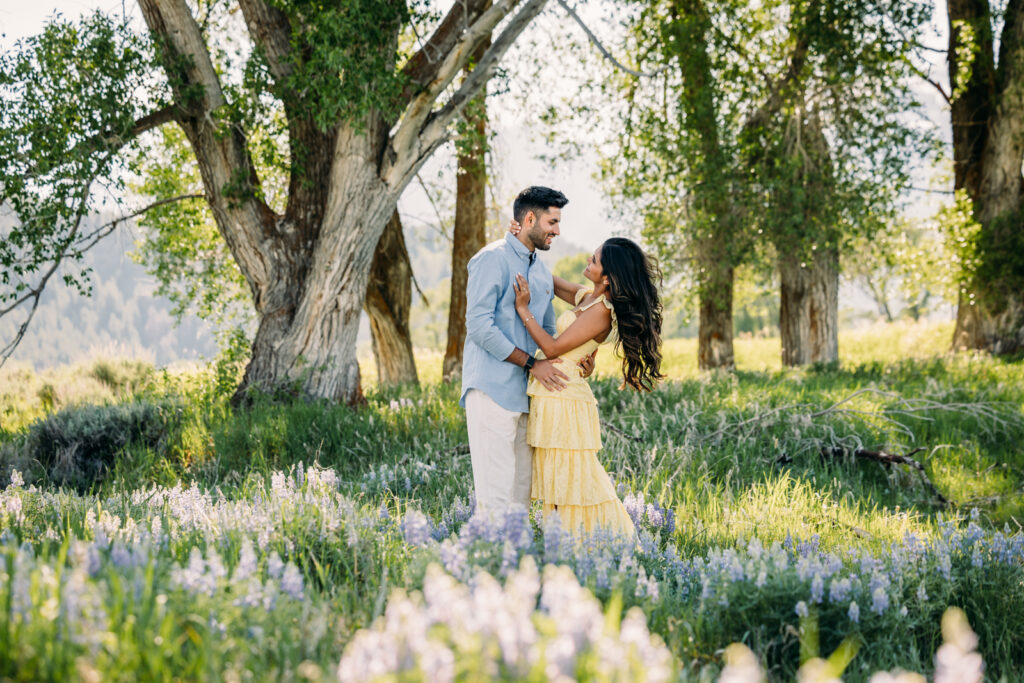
column 532, row 418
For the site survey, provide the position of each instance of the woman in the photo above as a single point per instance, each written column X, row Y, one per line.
column 620, row 307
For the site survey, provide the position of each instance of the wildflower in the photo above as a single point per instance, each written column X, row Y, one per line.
column 956, row 661
column 854, row 612
column 517, row 527
column 17, row 480
column 416, row 528
column 839, row 590
column 654, row 516
column 741, row 665
column 291, row 582
column 922, row 595
column 801, row 609
column 817, row 588
column 634, row 504
column 879, row 600
column 274, row 565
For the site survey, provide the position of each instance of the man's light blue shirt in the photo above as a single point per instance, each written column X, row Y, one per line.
column 493, row 328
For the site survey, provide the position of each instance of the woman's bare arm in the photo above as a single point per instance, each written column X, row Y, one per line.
column 565, row 290
column 593, row 323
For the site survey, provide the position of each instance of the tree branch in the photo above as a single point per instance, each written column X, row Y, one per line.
column 886, row 459
column 928, row 79
column 423, row 66
column 268, row 28
column 248, row 225
column 113, row 141
column 778, row 92
column 419, row 109
column 424, row 131
column 603, row 50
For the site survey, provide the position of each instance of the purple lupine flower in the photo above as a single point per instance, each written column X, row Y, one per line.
column 454, row 559
column 839, row 590
column 817, row 588
column 440, row 532
column 670, row 522
column 291, row 582
column 801, row 609
column 654, row 516
column 879, row 600
column 634, row 504
column 517, row 527
column 854, row 612
column 416, row 528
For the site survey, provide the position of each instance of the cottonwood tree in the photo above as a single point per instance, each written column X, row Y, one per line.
column 361, row 119
column 834, row 159
column 766, row 131
column 987, row 112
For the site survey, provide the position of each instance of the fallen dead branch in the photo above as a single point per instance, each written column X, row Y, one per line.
column 615, row 430
column 886, row 459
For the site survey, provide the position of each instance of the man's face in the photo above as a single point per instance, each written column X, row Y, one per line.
column 544, row 228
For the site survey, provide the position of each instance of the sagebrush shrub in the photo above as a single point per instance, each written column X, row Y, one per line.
column 76, row 446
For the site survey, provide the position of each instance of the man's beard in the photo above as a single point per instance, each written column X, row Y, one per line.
column 539, row 238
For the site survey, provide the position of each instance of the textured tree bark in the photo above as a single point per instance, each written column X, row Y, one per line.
column 809, row 308
column 988, row 148
column 388, row 302
column 714, row 335
column 470, row 225
column 309, row 268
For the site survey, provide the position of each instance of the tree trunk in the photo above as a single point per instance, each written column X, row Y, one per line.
column 308, row 269
column 988, row 149
column 388, row 301
column 470, row 224
column 311, row 349
column 714, row 336
column 809, row 308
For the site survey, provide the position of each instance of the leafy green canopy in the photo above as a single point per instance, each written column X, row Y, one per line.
column 783, row 124
column 70, row 100
column 82, row 99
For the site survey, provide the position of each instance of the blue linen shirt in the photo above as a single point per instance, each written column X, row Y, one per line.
column 493, row 328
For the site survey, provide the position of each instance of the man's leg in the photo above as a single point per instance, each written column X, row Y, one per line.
column 524, row 464
column 492, row 436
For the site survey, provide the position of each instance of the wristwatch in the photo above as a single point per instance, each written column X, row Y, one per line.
column 530, row 360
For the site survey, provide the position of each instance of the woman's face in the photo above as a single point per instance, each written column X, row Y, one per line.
column 594, row 272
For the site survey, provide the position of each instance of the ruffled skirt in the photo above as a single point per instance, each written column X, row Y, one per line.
column 567, row 476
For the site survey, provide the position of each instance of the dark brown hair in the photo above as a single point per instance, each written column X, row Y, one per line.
column 633, row 279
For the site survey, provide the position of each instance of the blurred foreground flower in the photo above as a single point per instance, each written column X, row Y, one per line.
column 522, row 629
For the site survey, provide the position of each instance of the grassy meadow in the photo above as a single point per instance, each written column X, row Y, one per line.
column 148, row 530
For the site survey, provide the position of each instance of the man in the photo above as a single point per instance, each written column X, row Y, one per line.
column 499, row 353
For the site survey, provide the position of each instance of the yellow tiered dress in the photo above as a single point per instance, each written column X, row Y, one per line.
column 565, row 432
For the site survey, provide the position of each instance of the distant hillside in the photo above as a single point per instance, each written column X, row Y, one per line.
column 121, row 316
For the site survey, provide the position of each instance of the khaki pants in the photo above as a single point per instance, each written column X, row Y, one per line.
column 502, row 460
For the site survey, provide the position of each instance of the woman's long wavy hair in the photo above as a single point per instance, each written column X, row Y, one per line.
column 633, row 279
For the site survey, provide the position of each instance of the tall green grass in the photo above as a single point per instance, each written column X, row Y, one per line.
column 735, row 456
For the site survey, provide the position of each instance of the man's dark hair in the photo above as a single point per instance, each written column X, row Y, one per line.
column 537, row 199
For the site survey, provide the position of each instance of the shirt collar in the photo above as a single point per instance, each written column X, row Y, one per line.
column 519, row 248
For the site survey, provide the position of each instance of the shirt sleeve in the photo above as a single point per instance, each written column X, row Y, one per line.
column 549, row 318
column 483, row 288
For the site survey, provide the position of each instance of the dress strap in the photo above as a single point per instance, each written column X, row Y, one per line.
column 601, row 299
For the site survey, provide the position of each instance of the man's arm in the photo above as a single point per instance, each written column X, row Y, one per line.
column 483, row 289
column 549, row 319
